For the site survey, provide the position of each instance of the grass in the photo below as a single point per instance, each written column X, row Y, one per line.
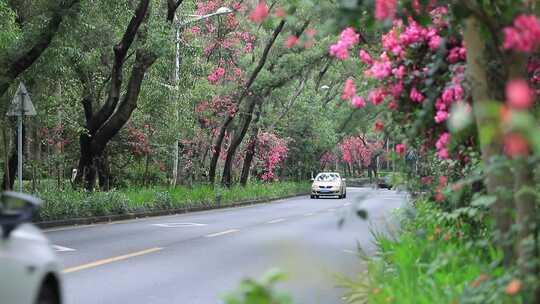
column 76, row 204
column 432, row 261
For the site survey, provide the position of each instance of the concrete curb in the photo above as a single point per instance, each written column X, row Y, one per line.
column 154, row 213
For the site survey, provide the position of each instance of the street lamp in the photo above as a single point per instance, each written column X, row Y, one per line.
column 220, row 11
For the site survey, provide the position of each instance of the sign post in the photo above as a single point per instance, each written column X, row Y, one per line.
column 21, row 106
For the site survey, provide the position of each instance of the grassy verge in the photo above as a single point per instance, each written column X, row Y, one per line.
column 78, row 204
column 435, row 259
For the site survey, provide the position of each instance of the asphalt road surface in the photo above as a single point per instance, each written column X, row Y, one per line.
column 196, row 258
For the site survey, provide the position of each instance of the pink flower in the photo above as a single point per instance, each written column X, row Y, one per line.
column 443, row 141
column 379, row 126
column 385, row 9
column 416, row 96
column 443, row 180
column 414, row 33
column 339, row 51
column 442, row 146
column 365, row 57
column 358, row 102
column 399, row 72
column 524, row 35
column 347, row 40
column 291, row 41
column 435, row 42
column 349, row 37
column 515, row 145
column 392, row 105
column 349, row 90
column 280, row 12
column 216, row 75
column 518, row 94
column 396, row 89
column 456, row 54
column 260, row 13
column 381, row 70
column 443, row 153
column 390, row 42
column 441, row 116
column 376, row 96
column 400, row 149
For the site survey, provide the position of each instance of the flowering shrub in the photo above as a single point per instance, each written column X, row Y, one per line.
column 271, row 150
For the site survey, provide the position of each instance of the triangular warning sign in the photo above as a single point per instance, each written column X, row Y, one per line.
column 21, row 103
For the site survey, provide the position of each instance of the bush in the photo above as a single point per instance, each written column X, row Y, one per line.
column 67, row 204
column 434, row 260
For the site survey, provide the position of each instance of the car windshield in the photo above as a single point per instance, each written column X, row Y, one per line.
column 327, row 177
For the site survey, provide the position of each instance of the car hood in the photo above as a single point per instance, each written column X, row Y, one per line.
column 334, row 184
column 29, row 232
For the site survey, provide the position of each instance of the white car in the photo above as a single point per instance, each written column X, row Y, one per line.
column 328, row 184
column 29, row 269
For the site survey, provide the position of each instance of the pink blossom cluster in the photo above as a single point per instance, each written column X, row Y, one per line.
column 442, row 145
column 216, row 75
column 356, row 149
column 385, row 9
column 327, row 158
column 523, row 35
column 348, row 39
column 271, row 150
column 450, row 95
column 260, row 13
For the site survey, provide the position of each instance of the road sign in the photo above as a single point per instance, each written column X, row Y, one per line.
column 21, row 103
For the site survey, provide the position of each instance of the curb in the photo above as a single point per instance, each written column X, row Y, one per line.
column 154, row 213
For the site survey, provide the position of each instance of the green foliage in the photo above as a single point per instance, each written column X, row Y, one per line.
column 76, row 204
column 435, row 259
column 260, row 291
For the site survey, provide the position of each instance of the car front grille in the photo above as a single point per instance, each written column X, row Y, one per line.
column 325, row 187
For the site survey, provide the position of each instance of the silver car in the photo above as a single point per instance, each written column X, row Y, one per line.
column 29, row 269
column 328, row 184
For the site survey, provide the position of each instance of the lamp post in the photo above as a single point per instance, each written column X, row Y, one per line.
column 176, row 77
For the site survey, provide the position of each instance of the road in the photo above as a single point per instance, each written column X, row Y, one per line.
column 196, row 258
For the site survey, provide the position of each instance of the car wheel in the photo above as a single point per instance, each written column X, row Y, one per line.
column 48, row 295
column 312, row 196
column 345, row 195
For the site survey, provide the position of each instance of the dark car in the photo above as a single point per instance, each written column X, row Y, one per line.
column 385, row 183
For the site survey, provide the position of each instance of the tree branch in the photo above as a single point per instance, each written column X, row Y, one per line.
column 23, row 60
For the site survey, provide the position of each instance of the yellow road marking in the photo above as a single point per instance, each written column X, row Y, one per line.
column 111, row 260
column 276, row 221
column 222, row 233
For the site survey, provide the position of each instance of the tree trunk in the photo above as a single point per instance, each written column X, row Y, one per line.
column 103, row 125
column 235, row 143
column 245, row 91
column 250, row 153
column 487, row 123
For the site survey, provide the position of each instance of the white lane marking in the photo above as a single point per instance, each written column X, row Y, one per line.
column 222, row 233
column 309, row 214
column 346, row 204
column 331, row 210
column 276, row 221
column 178, row 225
column 59, row 248
column 349, row 251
